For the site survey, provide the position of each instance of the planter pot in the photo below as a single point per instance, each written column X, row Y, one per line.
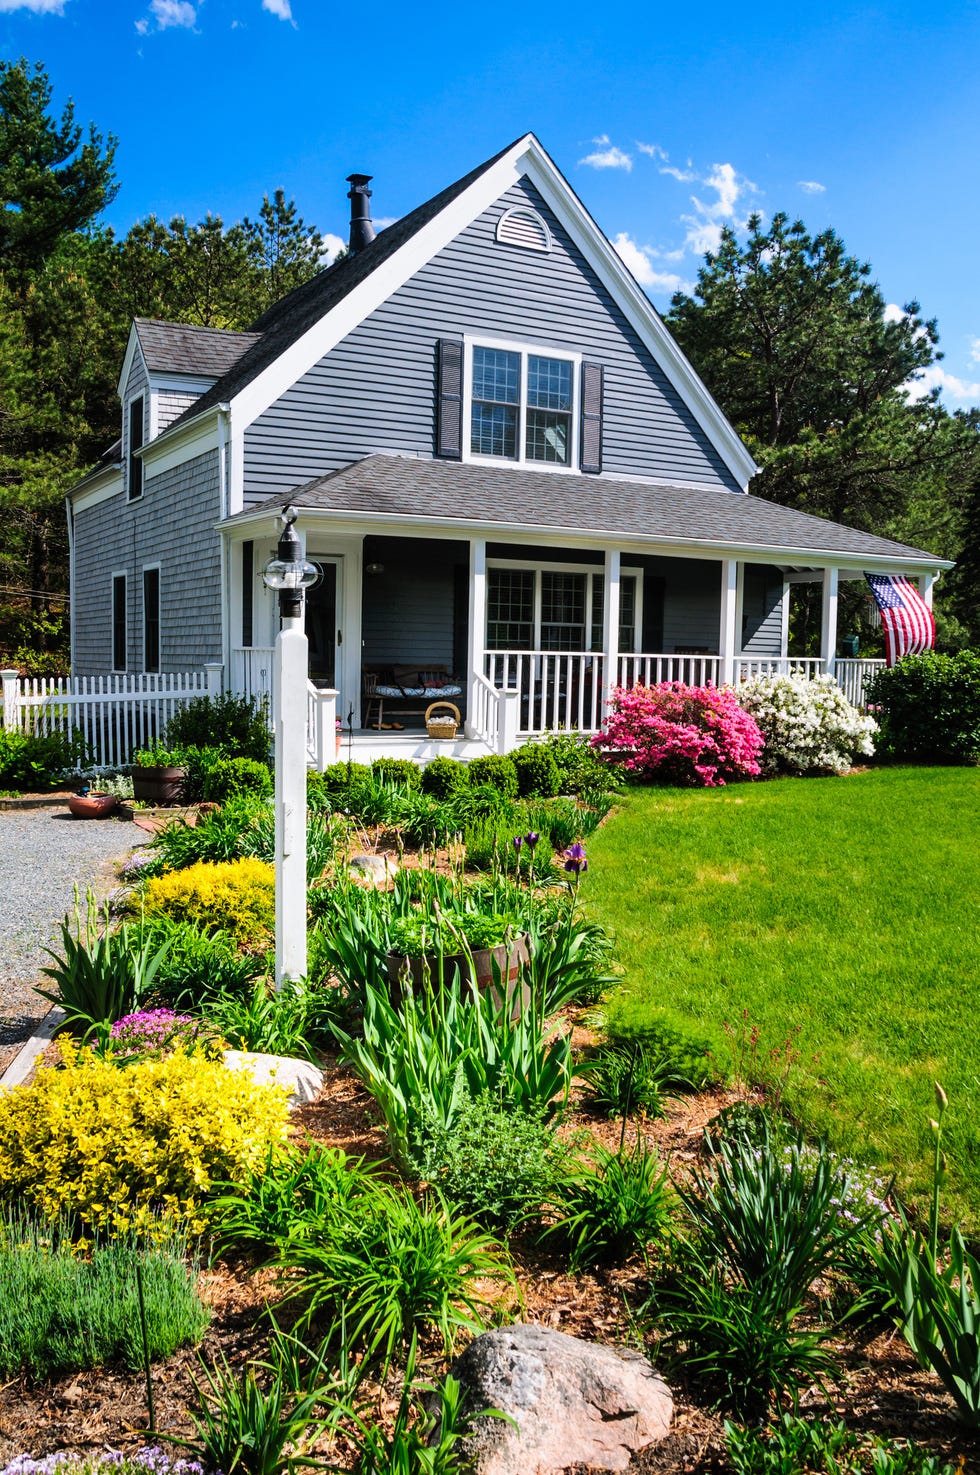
column 159, row 785
column 91, row 806
column 485, row 966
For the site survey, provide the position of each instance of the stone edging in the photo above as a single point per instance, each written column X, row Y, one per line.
column 23, row 1062
column 46, row 801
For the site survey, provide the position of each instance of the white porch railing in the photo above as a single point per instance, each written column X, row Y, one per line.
column 554, row 689
column 484, row 710
column 114, row 715
column 321, row 725
column 251, row 671
column 748, row 666
column 852, row 675
column 649, row 670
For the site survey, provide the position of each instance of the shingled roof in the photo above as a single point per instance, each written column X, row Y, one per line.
column 186, row 348
column 519, row 499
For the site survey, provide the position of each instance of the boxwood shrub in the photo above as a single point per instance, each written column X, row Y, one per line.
column 929, row 707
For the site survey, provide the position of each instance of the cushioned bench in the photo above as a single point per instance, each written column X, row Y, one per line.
column 393, row 687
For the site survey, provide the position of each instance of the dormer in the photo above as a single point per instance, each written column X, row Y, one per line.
column 167, row 367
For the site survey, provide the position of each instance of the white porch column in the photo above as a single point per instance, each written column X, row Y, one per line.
column 926, row 584
column 610, row 625
column 828, row 621
column 477, row 625
column 727, row 630
column 214, row 671
column 508, row 720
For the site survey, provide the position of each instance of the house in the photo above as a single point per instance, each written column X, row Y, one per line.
column 518, row 491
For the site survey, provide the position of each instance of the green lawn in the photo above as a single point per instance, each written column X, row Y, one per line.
column 846, row 906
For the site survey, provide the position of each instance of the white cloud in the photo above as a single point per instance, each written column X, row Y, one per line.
column 608, row 158
column 811, row 187
column 330, row 245
column 975, row 350
column 705, row 225
column 281, row 8
column 893, row 313
column 951, row 387
column 383, row 221
column 683, row 175
column 639, row 261
column 36, row 7
column 168, row 13
column 652, row 150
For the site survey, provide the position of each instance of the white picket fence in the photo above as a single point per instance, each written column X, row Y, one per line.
column 114, row 715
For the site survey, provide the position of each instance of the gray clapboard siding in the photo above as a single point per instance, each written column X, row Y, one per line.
column 409, row 611
column 170, row 404
column 762, row 617
column 691, row 601
column 172, row 525
column 376, row 390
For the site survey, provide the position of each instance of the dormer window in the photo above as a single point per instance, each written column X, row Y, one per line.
column 522, row 405
column 135, row 467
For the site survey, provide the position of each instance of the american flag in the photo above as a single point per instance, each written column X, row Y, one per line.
column 906, row 618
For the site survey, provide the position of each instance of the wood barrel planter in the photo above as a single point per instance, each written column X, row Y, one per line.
column 480, row 966
column 92, row 806
column 159, row 785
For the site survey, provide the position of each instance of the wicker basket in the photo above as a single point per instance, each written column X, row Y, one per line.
column 441, row 725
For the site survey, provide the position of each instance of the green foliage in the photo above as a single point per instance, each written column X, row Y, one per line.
column 498, row 772
column 234, row 896
column 929, row 706
column 197, row 965
column 397, row 771
column 611, row 1207
column 62, row 1312
column 236, row 724
column 538, row 776
column 340, row 781
column 443, row 776
column 795, row 1446
column 116, row 1147
column 265, row 1020
column 571, row 955
column 214, row 777
column 621, row 1079
column 494, row 1164
column 240, row 827
column 36, row 761
column 450, row 932
column 100, row 975
column 296, row 1191
column 580, row 769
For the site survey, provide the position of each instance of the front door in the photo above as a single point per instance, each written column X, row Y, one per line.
column 323, row 629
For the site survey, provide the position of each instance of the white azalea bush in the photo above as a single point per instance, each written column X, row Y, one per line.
column 808, row 724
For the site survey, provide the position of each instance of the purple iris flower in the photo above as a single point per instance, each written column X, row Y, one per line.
column 531, row 839
column 517, row 842
column 575, row 860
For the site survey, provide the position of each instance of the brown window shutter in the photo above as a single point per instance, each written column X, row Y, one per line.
column 591, row 449
column 449, row 421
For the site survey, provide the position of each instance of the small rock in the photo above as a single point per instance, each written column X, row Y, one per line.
column 572, row 1402
column 303, row 1079
column 376, row 869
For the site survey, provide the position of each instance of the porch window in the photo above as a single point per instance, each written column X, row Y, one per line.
column 510, row 609
column 563, row 611
column 557, row 609
column 521, row 405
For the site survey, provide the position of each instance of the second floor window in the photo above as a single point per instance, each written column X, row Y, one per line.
column 521, row 406
column 135, row 444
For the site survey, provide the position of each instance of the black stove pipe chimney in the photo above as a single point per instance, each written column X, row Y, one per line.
column 361, row 229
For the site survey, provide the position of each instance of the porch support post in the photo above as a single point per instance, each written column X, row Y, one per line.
column 508, row 720
column 477, row 626
column 214, row 671
column 610, row 630
column 10, row 680
column 828, row 621
column 926, row 583
column 325, row 729
column 726, row 633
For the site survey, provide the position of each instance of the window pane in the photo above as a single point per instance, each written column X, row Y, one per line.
column 562, row 611
column 510, row 609
column 549, row 384
column 547, row 437
column 119, row 623
column 494, row 431
column 627, row 615
column 496, row 376
column 151, row 619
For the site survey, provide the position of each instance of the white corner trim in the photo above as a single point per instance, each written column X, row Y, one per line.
column 192, row 439
column 108, row 485
column 300, row 356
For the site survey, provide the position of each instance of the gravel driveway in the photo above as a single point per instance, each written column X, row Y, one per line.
column 44, row 853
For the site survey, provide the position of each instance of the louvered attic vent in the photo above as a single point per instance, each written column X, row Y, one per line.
column 524, row 227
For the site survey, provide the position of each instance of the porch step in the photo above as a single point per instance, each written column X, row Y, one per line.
column 367, row 745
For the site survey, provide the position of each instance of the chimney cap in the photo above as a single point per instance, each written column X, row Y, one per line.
column 358, row 180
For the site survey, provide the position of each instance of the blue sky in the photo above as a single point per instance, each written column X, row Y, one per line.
column 669, row 121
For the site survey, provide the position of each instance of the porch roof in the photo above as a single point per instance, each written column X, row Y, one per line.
column 516, row 500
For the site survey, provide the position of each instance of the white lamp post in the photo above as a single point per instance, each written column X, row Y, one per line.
column 290, row 574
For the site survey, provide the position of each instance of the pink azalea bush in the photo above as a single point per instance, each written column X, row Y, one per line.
column 691, row 735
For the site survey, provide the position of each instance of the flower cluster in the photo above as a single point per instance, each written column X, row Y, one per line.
column 808, row 724
column 155, row 1032
column 691, row 735
column 151, row 1460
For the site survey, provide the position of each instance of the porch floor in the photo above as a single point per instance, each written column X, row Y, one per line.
column 366, row 744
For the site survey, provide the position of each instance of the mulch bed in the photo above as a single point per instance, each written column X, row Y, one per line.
column 883, row 1390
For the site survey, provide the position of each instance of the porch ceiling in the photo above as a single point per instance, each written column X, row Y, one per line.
column 496, row 499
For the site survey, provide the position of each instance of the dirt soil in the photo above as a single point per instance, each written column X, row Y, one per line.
column 883, row 1391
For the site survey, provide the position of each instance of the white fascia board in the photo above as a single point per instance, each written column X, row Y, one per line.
column 299, row 357
column 133, row 347
column 191, row 439
column 636, row 305
column 379, row 523
column 182, row 383
column 98, row 488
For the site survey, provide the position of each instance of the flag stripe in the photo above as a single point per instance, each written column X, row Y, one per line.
column 906, row 619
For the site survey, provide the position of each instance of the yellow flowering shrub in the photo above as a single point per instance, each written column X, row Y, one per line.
column 121, row 1147
column 236, row 895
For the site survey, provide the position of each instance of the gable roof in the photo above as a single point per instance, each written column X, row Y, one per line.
column 516, row 499
column 187, row 348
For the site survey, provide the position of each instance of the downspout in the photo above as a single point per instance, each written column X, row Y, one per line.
column 224, row 414
column 70, row 518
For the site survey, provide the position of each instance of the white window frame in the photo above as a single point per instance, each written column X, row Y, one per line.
column 148, row 568
column 113, row 576
column 143, row 397
column 592, row 571
column 524, row 350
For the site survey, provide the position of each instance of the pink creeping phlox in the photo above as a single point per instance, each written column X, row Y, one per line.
column 692, row 735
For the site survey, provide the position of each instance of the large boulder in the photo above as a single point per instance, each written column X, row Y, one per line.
column 572, row 1402
column 304, row 1079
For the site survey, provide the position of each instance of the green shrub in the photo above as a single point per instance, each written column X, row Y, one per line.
column 197, row 965
column 443, row 777
column 338, row 780
column 579, row 767
column 492, row 1163
column 61, row 1312
column 489, row 845
column 611, row 1207
column 397, row 771
column 243, row 826
column 269, row 1021
column 795, row 1446
column 236, row 724
column 100, row 975
column 929, row 706
column 537, row 772
column 37, row 760
column 119, row 1147
column 234, row 896
column 214, row 777
column 498, row 772
column 297, row 1190
column 621, row 1079
column 450, row 933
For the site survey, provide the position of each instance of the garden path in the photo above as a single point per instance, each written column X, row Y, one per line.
column 44, row 854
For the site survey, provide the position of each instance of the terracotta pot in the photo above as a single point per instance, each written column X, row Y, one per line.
column 91, row 806
column 159, row 785
column 504, row 961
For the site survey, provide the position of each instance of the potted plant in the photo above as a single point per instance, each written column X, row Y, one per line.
column 86, row 803
column 486, row 948
column 158, row 775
